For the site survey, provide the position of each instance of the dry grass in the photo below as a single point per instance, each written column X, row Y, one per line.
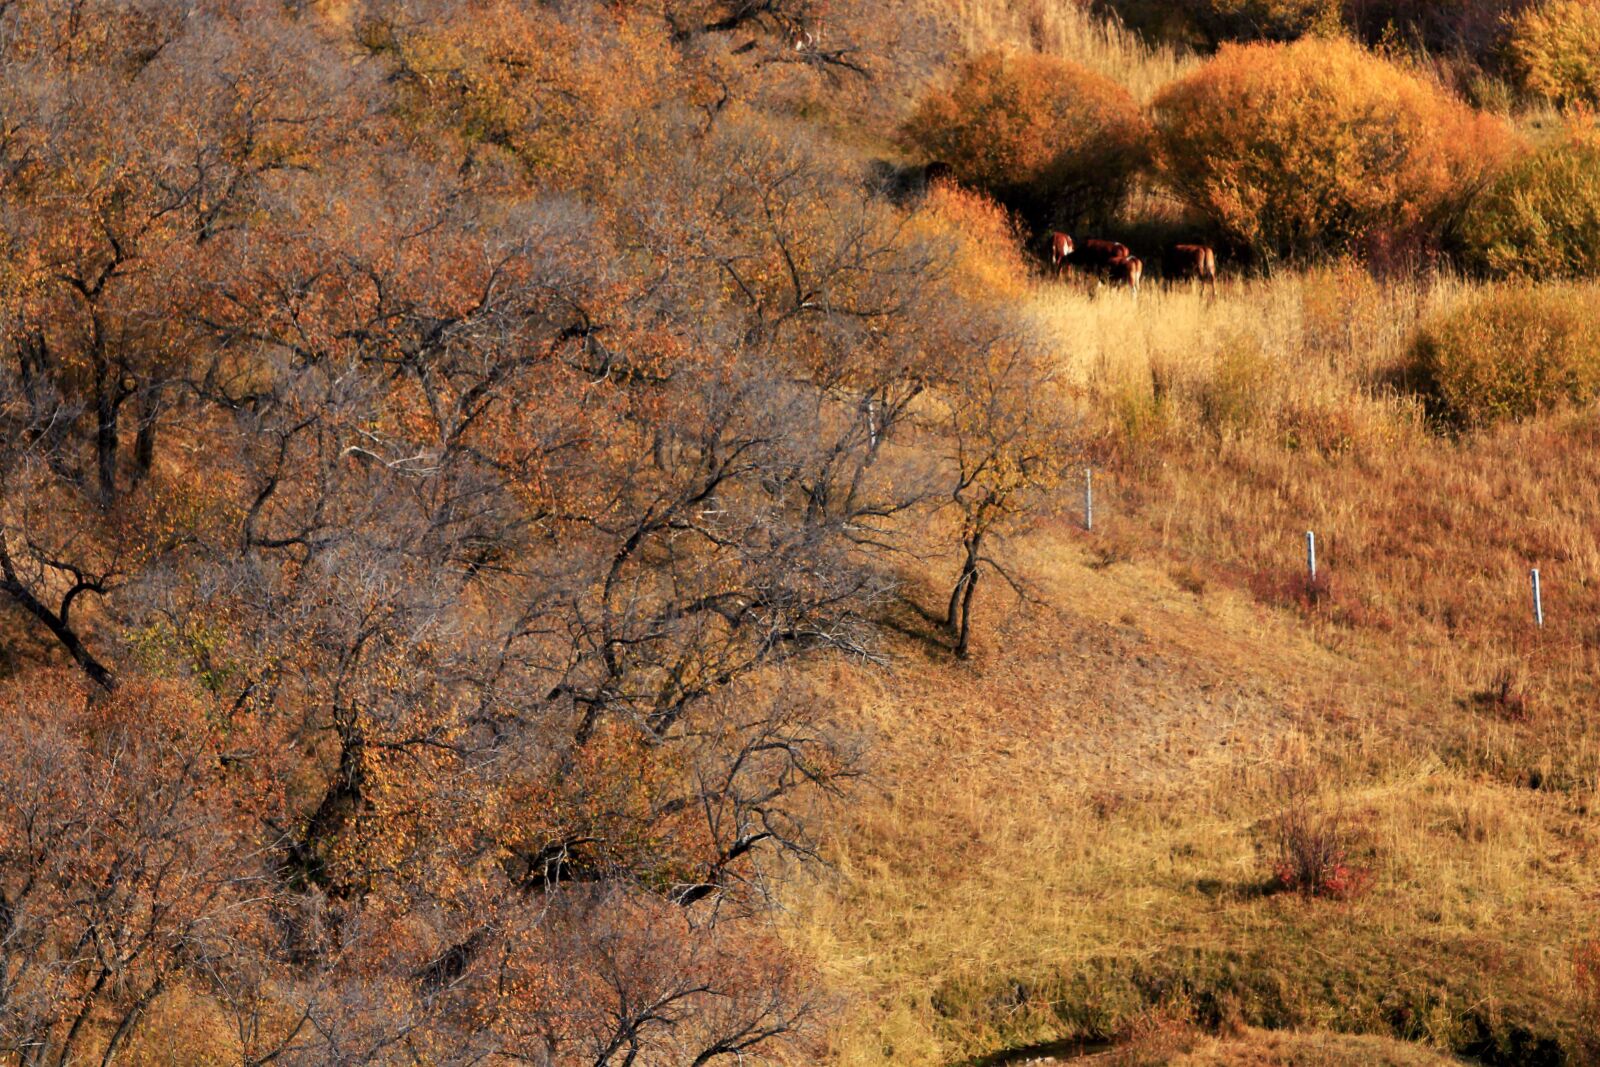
column 1065, row 28
column 1237, row 425
column 1082, row 819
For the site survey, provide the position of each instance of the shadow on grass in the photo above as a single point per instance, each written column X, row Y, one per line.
column 1217, row 889
column 1056, row 1049
column 908, row 618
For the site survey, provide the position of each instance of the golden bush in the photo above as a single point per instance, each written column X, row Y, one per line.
column 1541, row 219
column 1555, row 48
column 982, row 240
column 1510, row 353
column 1319, row 146
column 1045, row 135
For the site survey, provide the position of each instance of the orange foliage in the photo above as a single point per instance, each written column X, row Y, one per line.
column 1045, row 134
column 1541, row 218
column 501, row 78
column 1511, row 353
column 1321, row 147
column 116, row 864
column 983, row 240
column 1555, row 48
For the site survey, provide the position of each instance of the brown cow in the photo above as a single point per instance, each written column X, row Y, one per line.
column 1129, row 271
column 1060, row 249
column 1097, row 255
column 1192, row 263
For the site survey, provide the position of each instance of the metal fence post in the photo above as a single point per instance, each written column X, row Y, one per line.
column 1088, row 498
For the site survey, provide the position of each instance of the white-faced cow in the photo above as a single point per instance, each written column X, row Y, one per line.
column 1091, row 254
column 1060, row 248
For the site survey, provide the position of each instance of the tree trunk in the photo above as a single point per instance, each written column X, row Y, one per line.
column 958, row 616
column 13, row 587
column 129, row 1019
column 106, row 434
column 965, row 632
column 343, row 798
column 144, row 445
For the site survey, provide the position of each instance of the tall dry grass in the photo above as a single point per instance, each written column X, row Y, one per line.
column 1067, row 29
column 1019, row 878
column 1282, row 407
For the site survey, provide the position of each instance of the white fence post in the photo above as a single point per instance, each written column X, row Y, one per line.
column 1538, row 600
column 1088, row 498
column 1311, row 556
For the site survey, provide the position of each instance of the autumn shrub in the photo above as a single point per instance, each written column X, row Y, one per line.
column 1541, row 219
column 1049, row 137
column 1234, row 397
column 1314, row 852
column 981, row 238
column 1319, row 146
column 1555, row 49
column 1509, row 353
column 1507, row 696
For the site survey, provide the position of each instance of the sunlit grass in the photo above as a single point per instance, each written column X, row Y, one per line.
column 1079, row 817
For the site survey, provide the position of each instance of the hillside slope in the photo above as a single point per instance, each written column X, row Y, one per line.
column 1072, row 836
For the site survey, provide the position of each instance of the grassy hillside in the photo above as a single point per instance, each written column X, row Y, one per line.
column 1072, row 836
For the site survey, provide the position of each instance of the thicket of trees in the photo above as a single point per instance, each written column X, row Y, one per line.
column 427, row 431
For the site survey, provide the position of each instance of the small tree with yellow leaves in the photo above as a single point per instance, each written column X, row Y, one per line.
column 1010, row 442
column 1555, row 49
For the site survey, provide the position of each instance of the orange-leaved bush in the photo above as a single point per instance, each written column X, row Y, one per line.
column 980, row 238
column 1048, row 137
column 1541, row 219
column 1555, row 48
column 1320, row 146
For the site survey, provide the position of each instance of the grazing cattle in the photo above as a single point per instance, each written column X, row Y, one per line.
column 1096, row 255
column 1192, row 263
column 1129, row 271
column 1060, row 249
